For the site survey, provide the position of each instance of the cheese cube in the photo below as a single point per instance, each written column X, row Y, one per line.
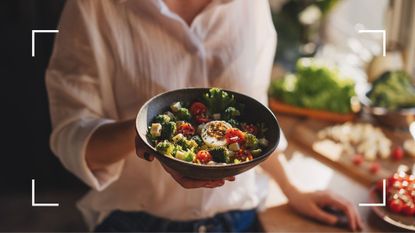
column 155, row 130
column 234, row 146
column 176, row 106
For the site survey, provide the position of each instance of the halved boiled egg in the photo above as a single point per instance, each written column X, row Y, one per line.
column 213, row 133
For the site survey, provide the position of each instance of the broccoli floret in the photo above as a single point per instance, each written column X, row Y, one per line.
column 151, row 138
column 261, row 128
column 165, row 147
column 183, row 114
column 256, row 152
column 231, row 113
column 162, row 118
column 186, row 155
column 251, row 141
column 198, row 140
column 234, row 123
column 168, row 129
column 218, row 100
column 219, row 154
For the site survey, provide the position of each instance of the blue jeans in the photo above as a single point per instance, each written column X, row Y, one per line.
column 233, row 221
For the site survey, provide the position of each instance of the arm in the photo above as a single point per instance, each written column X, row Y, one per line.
column 110, row 143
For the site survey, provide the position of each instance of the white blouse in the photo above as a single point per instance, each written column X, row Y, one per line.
column 111, row 56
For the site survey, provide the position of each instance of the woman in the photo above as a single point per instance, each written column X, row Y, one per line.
column 109, row 58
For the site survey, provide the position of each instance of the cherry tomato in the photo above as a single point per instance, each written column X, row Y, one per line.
column 203, row 156
column 396, row 205
column 201, row 118
column 198, row 108
column 408, row 209
column 250, row 128
column 186, row 129
column 374, row 168
column 398, row 153
column 357, row 159
column 234, row 135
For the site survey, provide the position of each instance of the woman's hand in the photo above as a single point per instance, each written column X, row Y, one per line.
column 183, row 181
column 311, row 204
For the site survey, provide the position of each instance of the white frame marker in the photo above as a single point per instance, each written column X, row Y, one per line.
column 383, row 37
column 33, row 37
column 34, row 204
column 383, row 197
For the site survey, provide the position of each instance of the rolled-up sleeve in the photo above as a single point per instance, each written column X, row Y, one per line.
column 266, row 44
column 75, row 96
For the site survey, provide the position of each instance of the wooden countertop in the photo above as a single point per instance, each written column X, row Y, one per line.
column 282, row 218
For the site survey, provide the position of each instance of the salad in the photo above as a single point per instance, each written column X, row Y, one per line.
column 208, row 131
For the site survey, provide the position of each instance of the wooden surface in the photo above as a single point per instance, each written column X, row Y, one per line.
column 281, row 107
column 344, row 182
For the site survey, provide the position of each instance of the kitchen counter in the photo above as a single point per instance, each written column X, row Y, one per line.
column 308, row 171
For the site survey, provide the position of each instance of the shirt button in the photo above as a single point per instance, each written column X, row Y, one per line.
column 202, row 229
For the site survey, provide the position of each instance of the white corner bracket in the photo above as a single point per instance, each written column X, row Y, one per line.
column 34, row 204
column 34, row 34
column 383, row 38
column 383, row 197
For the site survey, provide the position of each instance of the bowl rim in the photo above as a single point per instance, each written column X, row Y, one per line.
column 175, row 160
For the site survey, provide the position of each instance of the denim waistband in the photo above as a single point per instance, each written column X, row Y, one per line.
column 232, row 221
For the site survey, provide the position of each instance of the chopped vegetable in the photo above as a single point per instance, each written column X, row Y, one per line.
column 165, row 147
column 162, row 118
column 231, row 113
column 183, row 114
column 219, row 154
column 198, row 108
column 251, row 141
column 218, row 100
column 263, row 142
column 256, row 152
column 186, row 129
column 203, row 156
column 234, row 135
column 197, row 139
column 168, row 130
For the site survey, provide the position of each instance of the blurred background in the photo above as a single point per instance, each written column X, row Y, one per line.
column 326, row 31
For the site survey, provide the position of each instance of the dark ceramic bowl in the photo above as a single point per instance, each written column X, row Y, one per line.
column 254, row 112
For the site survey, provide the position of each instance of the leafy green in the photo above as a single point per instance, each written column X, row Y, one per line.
column 218, row 100
column 315, row 86
column 392, row 90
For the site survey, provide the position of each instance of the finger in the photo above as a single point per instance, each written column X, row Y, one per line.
column 148, row 156
column 359, row 221
column 347, row 208
column 324, row 217
column 230, row 178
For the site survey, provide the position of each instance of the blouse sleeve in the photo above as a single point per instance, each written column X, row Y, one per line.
column 75, row 96
column 266, row 48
